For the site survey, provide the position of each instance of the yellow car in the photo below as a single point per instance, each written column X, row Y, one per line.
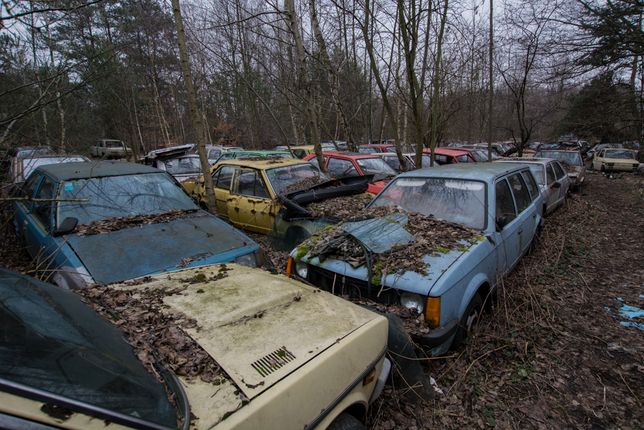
column 616, row 159
column 271, row 196
column 247, row 190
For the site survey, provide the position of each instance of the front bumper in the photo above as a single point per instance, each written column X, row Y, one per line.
column 437, row 336
column 621, row 167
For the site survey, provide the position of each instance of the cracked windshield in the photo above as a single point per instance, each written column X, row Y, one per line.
column 296, row 177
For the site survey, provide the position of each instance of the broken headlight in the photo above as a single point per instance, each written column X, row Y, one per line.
column 413, row 301
column 302, row 269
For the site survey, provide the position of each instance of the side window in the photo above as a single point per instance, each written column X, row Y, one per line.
column 249, row 183
column 504, row 202
column 223, row 177
column 441, row 159
column 520, row 191
column 550, row 173
column 42, row 210
column 341, row 168
column 532, row 184
column 559, row 172
column 30, row 185
column 463, row 159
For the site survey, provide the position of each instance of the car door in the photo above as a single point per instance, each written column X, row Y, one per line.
column 252, row 205
column 507, row 225
column 526, row 217
column 597, row 160
column 23, row 207
column 563, row 179
column 221, row 182
column 40, row 222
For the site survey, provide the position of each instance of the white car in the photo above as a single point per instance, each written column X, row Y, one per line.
column 553, row 181
column 615, row 159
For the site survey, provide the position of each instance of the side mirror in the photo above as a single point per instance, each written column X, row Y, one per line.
column 556, row 184
column 67, row 226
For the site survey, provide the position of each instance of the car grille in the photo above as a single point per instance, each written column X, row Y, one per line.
column 353, row 288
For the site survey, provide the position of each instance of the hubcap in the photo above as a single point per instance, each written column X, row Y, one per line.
column 471, row 319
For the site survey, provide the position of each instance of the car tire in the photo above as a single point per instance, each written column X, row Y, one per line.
column 295, row 235
column 346, row 421
column 468, row 320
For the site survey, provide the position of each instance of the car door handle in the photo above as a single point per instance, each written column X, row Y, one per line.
column 520, row 231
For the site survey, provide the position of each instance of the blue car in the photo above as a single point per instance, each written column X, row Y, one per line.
column 106, row 222
column 499, row 204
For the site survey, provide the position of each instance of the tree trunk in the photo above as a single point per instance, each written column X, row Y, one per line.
column 192, row 105
column 436, row 113
column 332, row 77
column 309, row 100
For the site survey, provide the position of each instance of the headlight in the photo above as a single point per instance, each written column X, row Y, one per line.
column 248, row 260
column 302, row 269
column 413, row 301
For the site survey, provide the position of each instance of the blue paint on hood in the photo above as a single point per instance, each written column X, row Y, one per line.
column 379, row 235
column 152, row 248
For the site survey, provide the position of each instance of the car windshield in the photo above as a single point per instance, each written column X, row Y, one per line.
column 568, row 157
column 620, row 154
column 374, row 166
column 121, row 196
column 288, row 177
column 454, row 200
column 184, row 165
column 53, row 342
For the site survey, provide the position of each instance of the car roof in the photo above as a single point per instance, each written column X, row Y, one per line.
column 450, row 151
column 265, row 163
column 478, row 171
column 526, row 160
column 349, row 155
column 558, row 150
column 94, row 169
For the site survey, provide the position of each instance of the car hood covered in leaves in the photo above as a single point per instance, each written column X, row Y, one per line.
column 400, row 258
column 191, row 240
column 258, row 327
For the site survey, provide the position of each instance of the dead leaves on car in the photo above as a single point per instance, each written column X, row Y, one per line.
column 156, row 334
column 304, row 184
column 340, row 208
column 119, row 223
column 431, row 237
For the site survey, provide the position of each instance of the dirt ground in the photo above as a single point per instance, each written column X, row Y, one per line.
column 552, row 354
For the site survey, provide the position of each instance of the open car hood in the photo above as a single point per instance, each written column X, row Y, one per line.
column 257, row 326
column 295, row 202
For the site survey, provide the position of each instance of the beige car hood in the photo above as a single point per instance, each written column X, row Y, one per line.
column 258, row 327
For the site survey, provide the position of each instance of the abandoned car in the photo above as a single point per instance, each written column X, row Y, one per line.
column 572, row 162
column 614, row 160
column 107, row 222
column 551, row 177
column 346, row 164
column 198, row 354
column 435, row 243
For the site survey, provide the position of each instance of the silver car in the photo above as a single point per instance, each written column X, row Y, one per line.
column 572, row 161
column 553, row 181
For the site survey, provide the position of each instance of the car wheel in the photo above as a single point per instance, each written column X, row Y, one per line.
column 468, row 320
column 346, row 421
column 602, row 169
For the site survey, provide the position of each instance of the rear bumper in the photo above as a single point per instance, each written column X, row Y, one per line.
column 438, row 336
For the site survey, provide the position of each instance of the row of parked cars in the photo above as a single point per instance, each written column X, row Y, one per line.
column 289, row 353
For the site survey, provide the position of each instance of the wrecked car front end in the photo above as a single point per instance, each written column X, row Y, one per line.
column 426, row 299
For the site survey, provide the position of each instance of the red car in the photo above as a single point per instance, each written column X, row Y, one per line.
column 343, row 164
column 451, row 155
column 375, row 148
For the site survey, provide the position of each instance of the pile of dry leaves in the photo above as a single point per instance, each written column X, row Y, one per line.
column 156, row 334
column 431, row 236
column 304, row 184
column 114, row 224
column 340, row 208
